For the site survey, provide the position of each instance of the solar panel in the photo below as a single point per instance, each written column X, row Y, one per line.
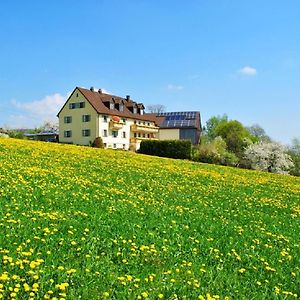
column 183, row 113
column 179, row 119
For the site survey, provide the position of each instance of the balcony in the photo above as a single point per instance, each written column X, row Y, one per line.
column 144, row 128
column 115, row 125
column 139, row 139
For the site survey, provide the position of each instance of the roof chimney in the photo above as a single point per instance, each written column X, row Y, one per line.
column 100, row 91
column 127, row 97
column 92, row 89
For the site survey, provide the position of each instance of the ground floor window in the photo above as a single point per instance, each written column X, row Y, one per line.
column 86, row 132
column 67, row 133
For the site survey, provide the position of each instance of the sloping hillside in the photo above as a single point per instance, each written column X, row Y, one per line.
column 84, row 223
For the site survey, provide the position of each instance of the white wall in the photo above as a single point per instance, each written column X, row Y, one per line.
column 115, row 142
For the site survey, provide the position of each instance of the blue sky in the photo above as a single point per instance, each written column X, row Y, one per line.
column 236, row 57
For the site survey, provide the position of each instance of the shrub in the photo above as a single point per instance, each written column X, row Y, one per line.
column 207, row 153
column 295, row 170
column 294, row 152
column 215, row 153
column 98, row 143
column 16, row 134
column 169, row 148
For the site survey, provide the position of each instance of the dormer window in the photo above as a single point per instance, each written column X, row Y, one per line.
column 141, row 111
column 121, row 107
column 111, row 105
column 134, row 110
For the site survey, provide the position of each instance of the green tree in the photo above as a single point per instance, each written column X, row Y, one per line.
column 209, row 130
column 236, row 136
column 294, row 152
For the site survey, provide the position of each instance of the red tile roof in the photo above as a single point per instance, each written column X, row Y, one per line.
column 97, row 100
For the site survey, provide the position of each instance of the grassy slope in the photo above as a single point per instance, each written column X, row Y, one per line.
column 89, row 223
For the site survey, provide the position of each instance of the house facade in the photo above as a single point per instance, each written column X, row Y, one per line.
column 120, row 122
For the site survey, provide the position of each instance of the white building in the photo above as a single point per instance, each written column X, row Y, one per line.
column 120, row 122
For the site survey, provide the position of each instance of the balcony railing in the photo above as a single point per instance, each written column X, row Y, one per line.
column 144, row 128
column 115, row 125
column 139, row 139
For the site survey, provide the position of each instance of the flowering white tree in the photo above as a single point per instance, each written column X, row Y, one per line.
column 49, row 126
column 271, row 157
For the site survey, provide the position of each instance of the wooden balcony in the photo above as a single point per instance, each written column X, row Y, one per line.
column 115, row 125
column 139, row 139
column 144, row 128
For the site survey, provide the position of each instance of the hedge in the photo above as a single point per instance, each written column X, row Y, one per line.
column 168, row 148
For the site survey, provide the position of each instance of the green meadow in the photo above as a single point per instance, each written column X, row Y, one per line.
column 84, row 223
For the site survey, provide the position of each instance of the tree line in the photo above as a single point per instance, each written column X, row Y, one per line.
column 230, row 143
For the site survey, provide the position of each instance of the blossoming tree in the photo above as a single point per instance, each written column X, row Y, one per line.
column 271, row 157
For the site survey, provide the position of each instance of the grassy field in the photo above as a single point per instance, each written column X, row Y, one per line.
column 84, row 223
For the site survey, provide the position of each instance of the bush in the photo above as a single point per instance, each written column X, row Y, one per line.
column 98, row 143
column 207, row 154
column 295, row 170
column 16, row 134
column 170, row 148
column 294, row 152
column 215, row 153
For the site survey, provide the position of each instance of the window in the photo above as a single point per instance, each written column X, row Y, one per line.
column 124, row 120
column 134, row 122
column 77, row 105
column 86, row 132
column 148, row 124
column 86, row 118
column 111, row 105
column 114, row 133
column 134, row 135
column 105, row 145
column 144, row 135
column 115, row 145
column 124, row 134
column 134, row 110
column 105, row 119
column 67, row 119
column 121, row 107
column 76, row 94
column 124, row 146
column 139, row 135
column 144, row 123
column 105, row 132
column 67, row 133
